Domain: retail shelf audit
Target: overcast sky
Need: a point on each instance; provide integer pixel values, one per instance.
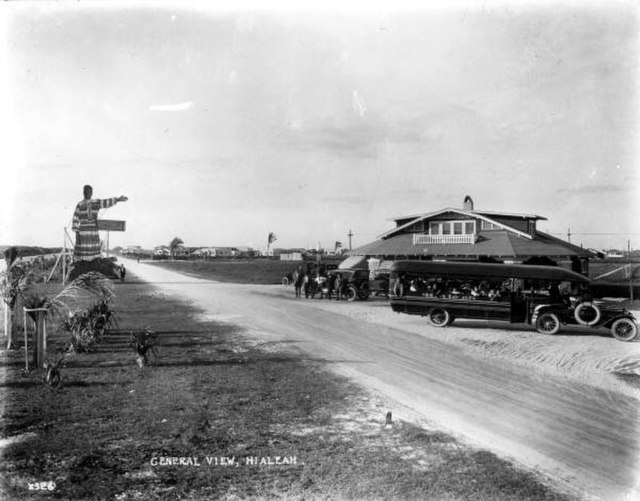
(223, 125)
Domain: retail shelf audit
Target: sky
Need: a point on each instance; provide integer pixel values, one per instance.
(224, 124)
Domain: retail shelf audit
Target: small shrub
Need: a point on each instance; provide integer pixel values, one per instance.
(88, 327)
(102, 318)
(144, 343)
(83, 339)
(53, 375)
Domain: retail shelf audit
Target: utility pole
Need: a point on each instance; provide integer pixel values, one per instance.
(569, 235)
(350, 234)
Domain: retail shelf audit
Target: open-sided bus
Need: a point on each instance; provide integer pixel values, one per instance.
(543, 296)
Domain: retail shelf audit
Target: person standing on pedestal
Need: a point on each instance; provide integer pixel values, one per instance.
(85, 224)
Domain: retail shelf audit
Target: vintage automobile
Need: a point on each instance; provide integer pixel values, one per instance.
(357, 284)
(312, 269)
(444, 291)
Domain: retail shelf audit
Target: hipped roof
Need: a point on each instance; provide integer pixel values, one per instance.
(496, 243)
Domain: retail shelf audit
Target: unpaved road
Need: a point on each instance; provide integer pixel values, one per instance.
(583, 436)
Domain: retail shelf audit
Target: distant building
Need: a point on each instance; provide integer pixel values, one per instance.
(162, 251)
(132, 249)
(614, 253)
(290, 256)
(277, 252)
(468, 234)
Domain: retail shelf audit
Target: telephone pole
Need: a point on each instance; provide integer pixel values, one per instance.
(350, 234)
(569, 235)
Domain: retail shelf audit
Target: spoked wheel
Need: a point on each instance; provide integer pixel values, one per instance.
(624, 329)
(548, 323)
(440, 317)
(352, 293)
(285, 281)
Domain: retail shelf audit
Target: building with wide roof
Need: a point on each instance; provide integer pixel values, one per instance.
(467, 234)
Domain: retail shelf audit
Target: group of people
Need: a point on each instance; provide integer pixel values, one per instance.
(451, 289)
(312, 284)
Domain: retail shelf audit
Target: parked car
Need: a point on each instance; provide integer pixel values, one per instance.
(356, 283)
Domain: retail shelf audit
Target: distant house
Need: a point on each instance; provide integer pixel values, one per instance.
(245, 252)
(466, 234)
(277, 252)
(290, 256)
(614, 253)
(161, 252)
(132, 249)
(218, 252)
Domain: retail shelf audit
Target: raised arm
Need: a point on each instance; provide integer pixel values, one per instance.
(105, 203)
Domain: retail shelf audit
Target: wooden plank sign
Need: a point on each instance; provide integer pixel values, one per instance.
(111, 225)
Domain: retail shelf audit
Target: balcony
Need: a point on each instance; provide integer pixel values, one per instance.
(444, 239)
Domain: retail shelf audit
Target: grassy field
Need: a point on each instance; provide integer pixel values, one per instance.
(258, 271)
(213, 395)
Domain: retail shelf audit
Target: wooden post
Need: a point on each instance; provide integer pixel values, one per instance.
(39, 337)
(630, 269)
(26, 342)
(8, 325)
(5, 306)
(64, 257)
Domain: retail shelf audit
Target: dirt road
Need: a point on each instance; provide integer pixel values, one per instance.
(581, 435)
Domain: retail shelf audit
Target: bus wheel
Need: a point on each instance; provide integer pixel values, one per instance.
(352, 293)
(624, 329)
(548, 323)
(439, 317)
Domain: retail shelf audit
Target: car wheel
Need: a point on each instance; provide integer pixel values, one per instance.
(352, 293)
(440, 317)
(624, 329)
(548, 323)
(365, 293)
(285, 281)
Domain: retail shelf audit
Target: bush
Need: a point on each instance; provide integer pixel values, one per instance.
(144, 344)
(88, 327)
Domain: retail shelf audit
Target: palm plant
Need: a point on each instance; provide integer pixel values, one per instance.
(14, 281)
(173, 245)
(144, 344)
(89, 325)
(92, 283)
(270, 239)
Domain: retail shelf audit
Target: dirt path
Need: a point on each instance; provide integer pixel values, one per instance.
(581, 434)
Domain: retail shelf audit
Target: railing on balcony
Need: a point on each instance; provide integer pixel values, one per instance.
(444, 239)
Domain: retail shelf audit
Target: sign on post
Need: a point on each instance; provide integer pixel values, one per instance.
(111, 225)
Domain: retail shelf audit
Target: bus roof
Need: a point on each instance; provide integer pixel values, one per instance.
(488, 270)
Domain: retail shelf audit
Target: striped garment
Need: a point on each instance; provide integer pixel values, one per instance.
(85, 224)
